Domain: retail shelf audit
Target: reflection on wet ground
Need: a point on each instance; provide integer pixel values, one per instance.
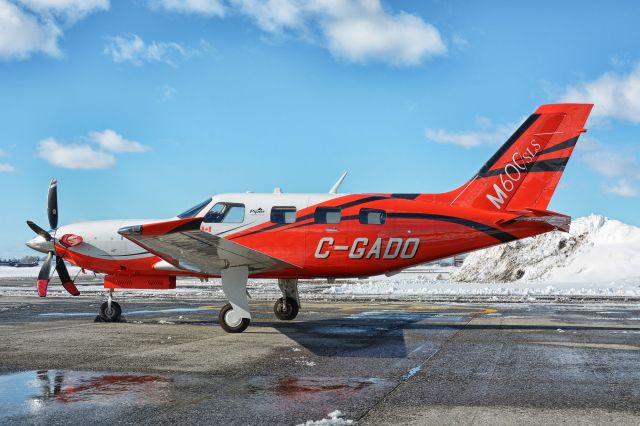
(47, 394)
(30, 392)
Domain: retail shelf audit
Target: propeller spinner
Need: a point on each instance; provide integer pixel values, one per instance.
(44, 242)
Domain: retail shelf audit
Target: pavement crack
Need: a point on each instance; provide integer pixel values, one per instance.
(420, 366)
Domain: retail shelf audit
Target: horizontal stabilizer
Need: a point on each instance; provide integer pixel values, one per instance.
(558, 221)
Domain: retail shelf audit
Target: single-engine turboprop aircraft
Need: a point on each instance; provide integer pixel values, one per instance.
(296, 236)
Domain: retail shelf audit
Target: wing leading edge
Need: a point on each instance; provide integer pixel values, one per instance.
(185, 246)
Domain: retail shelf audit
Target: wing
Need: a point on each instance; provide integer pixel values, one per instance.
(185, 246)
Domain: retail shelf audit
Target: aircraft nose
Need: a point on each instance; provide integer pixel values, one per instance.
(40, 244)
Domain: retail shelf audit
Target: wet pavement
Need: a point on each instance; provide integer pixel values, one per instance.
(378, 363)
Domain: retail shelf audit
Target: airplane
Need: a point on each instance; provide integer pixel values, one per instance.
(289, 237)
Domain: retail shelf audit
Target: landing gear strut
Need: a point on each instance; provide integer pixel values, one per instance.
(286, 308)
(234, 317)
(110, 310)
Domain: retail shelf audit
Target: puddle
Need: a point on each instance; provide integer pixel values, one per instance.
(87, 397)
(317, 389)
(30, 392)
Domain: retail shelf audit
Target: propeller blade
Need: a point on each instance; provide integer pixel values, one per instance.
(43, 276)
(52, 204)
(35, 228)
(63, 273)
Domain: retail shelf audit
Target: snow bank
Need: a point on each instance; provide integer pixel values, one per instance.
(30, 271)
(597, 250)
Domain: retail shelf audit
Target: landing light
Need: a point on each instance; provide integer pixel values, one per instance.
(71, 240)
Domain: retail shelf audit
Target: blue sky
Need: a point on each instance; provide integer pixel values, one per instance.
(143, 108)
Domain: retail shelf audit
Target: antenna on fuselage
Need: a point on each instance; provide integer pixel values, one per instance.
(336, 186)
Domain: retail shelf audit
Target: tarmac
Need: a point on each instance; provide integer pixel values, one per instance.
(377, 363)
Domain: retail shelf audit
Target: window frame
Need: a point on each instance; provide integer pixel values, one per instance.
(285, 210)
(365, 211)
(325, 210)
(225, 212)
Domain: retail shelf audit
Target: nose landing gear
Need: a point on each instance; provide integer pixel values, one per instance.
(110, 311)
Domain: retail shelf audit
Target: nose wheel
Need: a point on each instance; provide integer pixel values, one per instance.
(286, 308)
(110, 311)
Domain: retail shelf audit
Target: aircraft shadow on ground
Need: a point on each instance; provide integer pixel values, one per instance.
(385, 338)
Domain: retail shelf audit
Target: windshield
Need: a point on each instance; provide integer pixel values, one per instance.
(193, 211)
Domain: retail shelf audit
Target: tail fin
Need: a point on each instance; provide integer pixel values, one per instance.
(524, 172)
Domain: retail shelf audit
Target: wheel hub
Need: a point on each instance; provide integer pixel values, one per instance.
(232, 319)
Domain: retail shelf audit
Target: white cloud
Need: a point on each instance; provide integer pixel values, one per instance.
(623, 167)
(623, 188)
(6, 168)
(168, 92)
(32, 26)
(85, 156)
(487, 135)
(82, 156)
(113, 142)
(23, 33)
(609, 163)
(273, 15)
(401, 39)
(202, 7)
(71, 10)
(134, 50)
(357, 31)
(616, 96)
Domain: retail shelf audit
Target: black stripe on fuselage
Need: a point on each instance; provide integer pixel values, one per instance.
(405, 196)
(509, 143)
(550, 165)
(489, 230)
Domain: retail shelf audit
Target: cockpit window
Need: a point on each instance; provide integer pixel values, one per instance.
(193, 211)
(225, 213)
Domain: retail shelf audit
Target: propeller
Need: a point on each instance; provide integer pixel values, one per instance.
(48, 245)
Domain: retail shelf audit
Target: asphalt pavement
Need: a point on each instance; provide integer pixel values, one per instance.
(377, 363)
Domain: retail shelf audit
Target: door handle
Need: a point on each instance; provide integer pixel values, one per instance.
(331, 229)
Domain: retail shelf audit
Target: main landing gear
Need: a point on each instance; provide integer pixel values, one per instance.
(286, 308)
(235, 317)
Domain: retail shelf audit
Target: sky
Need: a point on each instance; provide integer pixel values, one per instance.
(143, 108)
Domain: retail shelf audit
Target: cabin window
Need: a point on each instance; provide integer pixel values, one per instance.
(225, 213)
(372, 216)
(283, 214)
(327, 215)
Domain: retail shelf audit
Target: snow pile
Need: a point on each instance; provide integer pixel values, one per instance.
(597, 250)
(30, 271)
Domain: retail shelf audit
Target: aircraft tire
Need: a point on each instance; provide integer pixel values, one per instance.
(286, 312)
(112, 315)
(223, 319)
